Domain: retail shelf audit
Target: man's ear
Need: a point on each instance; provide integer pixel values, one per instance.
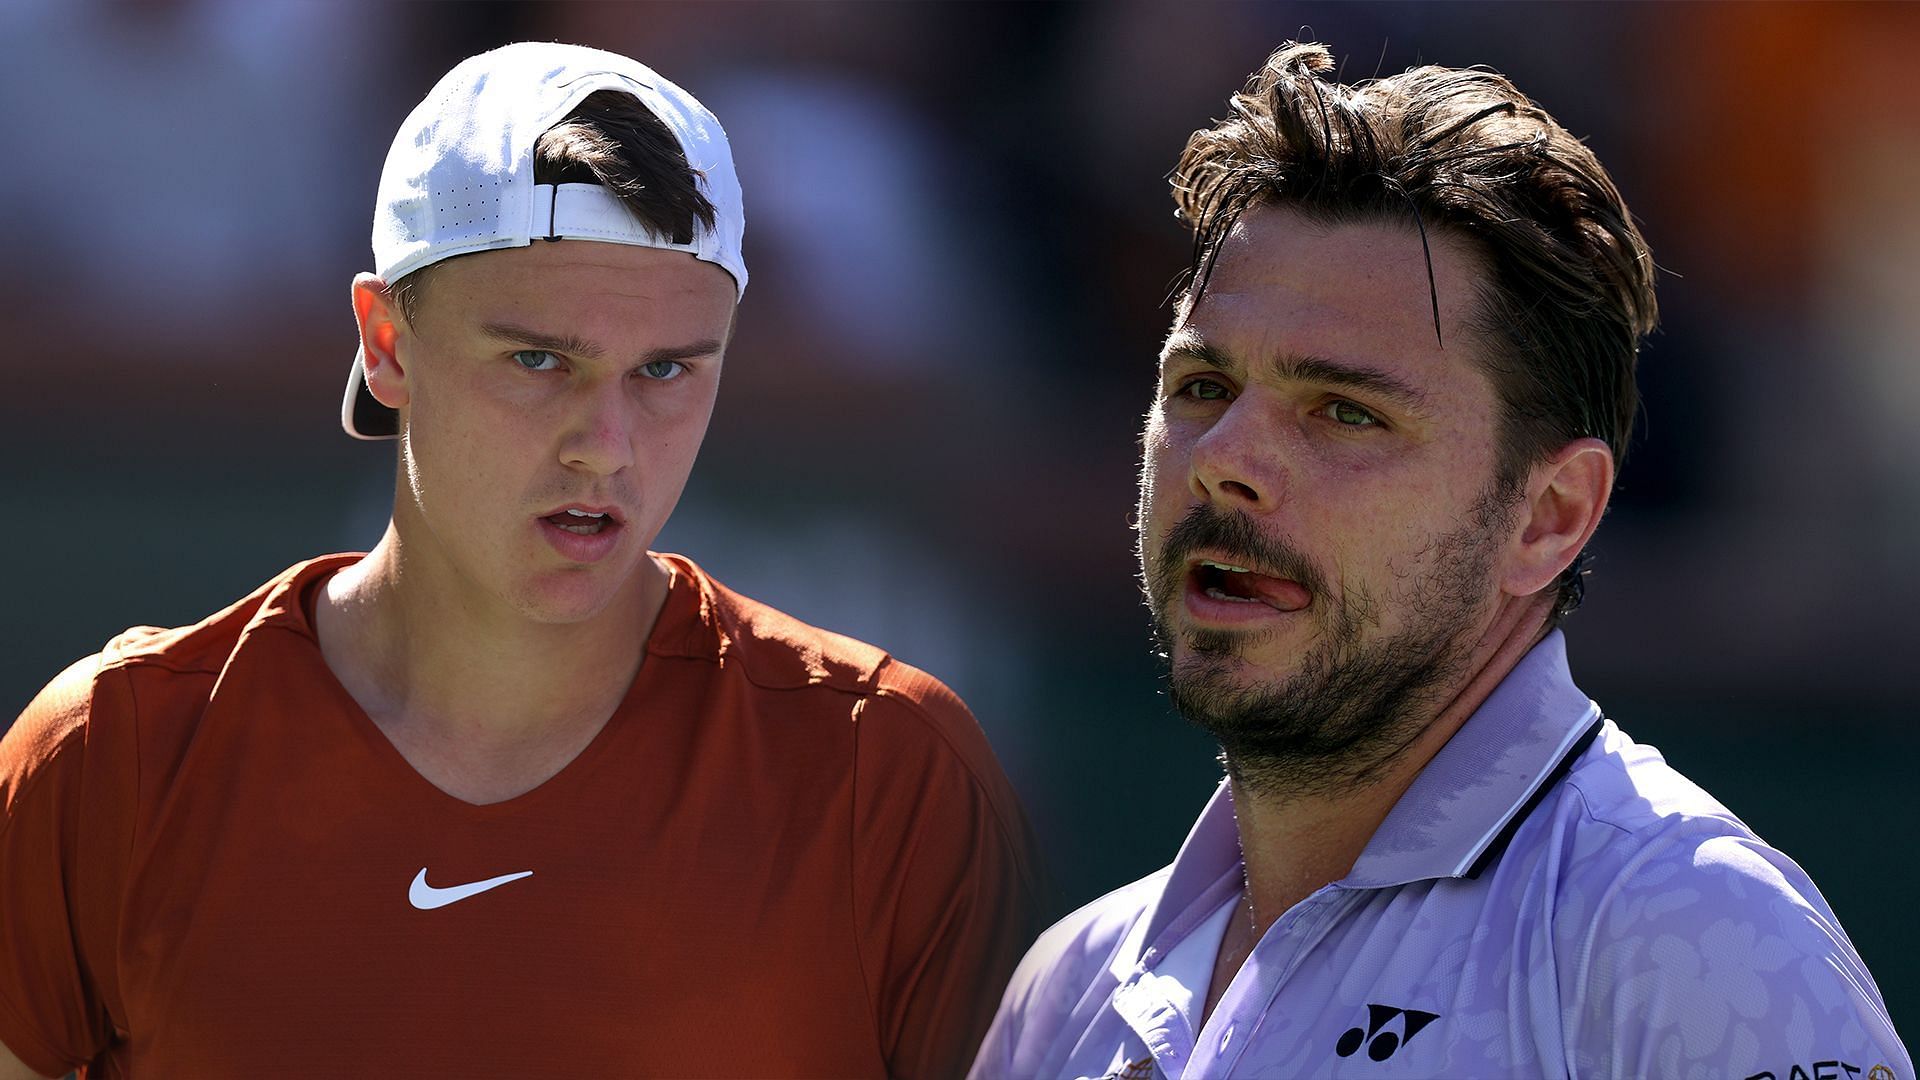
(379, 316)
(1565, 497)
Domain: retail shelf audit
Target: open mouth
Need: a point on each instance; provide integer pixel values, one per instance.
(582, 522)
(1235, 584)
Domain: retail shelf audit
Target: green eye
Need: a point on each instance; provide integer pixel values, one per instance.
(536, 360)
(662, 369)
(1205, 390)
(1351, 415)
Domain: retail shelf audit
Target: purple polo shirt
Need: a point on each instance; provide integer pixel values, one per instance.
(1549, 898)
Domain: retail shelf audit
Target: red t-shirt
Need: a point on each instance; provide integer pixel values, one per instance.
(786, 854)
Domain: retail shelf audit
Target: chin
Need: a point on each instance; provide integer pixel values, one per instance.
(1264, 647)
(569, 597)
(553, 613)
(1244, 666)
(1266, 656)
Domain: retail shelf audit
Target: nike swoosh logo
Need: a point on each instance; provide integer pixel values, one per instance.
(426, 897)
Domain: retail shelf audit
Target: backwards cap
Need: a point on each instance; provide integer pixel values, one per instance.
(459, 176)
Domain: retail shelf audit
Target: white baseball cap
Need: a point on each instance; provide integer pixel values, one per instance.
(459, 177)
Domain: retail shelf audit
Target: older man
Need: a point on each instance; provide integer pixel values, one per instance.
(1390, 411)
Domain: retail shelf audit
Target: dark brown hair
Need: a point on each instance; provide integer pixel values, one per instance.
(610, 139)
(1569, 293)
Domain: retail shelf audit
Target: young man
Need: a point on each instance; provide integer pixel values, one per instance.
(512, 795)
(1389, 417)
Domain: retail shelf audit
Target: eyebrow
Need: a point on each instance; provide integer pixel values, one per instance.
(1184, 344)
(573, 345)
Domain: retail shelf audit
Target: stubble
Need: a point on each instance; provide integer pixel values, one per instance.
(1356, 699)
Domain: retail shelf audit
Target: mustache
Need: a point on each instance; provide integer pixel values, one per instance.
(1234, 536)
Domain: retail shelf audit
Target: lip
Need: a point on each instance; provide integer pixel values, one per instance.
(612, 512)
(1214, 611)
(1194, 560)
(575, 547)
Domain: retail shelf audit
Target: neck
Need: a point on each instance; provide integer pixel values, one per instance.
(1294, 843)
(421, 651)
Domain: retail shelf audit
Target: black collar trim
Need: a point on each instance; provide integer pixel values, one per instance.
(1519, 818)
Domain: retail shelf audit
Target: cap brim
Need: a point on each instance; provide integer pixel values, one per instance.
(361, 414)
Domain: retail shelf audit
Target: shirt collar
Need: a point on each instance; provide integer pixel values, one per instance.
(1463, 805)
(1486, 777)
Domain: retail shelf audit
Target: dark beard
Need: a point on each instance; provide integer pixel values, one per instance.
(1354, 703)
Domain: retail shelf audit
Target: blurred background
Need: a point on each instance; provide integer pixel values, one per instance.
(961, 239)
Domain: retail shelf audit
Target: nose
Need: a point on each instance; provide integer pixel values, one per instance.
(600, 431)
(1237, 462)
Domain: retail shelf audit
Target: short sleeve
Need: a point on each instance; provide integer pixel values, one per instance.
(947, 895)
(54, 919)
(1715, 956)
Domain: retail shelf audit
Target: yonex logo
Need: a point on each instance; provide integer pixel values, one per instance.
(1382, 1044)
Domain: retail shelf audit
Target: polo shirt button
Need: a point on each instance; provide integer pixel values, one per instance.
(1225, 1038)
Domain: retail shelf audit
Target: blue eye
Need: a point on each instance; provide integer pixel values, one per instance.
(662, 369)
(536, 360)
(1347, 414)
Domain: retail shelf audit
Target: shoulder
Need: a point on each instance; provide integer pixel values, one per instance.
(772, 649)
(1087, 939)
(915, 731)
(1635, 829)
(76, 775)
(1074, 955)
(1630, 787)
(1686, 942)
(160, 671)
(150, 653)
(95, 690)
(1066, 971)
(777, 652)
(54, 724)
